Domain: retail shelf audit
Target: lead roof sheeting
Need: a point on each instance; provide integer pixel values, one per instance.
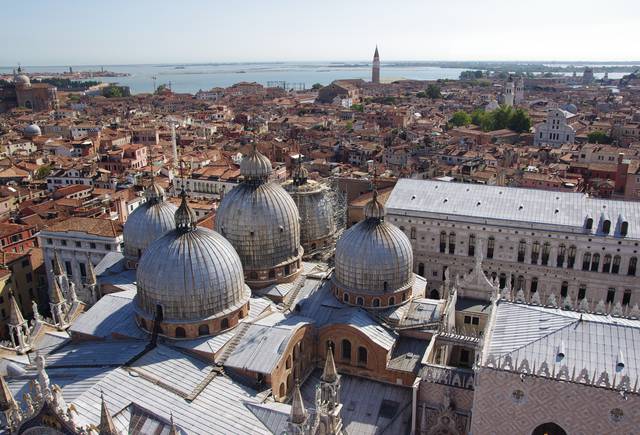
(219, 409)
(173, 368)
(535, 333)
(95, 353)
(503, 203)
(113, 313)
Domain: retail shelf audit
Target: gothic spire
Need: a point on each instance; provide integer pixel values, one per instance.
(57, 264)
(7, 401)
(174, 429)
(15, 315)
(56, 293)
(91, 275)
(107, 427)
(298, 411)
(329, 374)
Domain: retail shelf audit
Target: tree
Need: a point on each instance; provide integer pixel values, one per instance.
(460, 118)
(42, 172)
(598, 137)
(113, 92)
(433, 92)
(316, 86)
(357, 107)
(520, 121)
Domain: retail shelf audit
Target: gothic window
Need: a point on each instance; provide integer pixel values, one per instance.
(586, 261)
(571, 260)
(582, 292)
(359, 301)
(520, 283)
(535, 252)
(606, 264)
(611, 295)
(346, 349)
(522, 248)
(472, 245)
(534, 285)
(606, 226)
(452, 243)
(491, 243)
(564, 289)
(615, 268)
(595, 262)
(443, 242)
(633, 264)
(562, 251)
(545, 253)
(345, 297)
(589, 224)
(624, 228)
(626, 297)
(362, 356)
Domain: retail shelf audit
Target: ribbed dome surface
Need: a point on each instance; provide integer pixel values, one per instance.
(315, 209)
(371, 253)
(193, 274)
(148, 222)
(255, 165)
(262, 223)
(32, 130)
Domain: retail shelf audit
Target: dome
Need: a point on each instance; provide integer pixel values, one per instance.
(571, 108)
(255, 165)
(147, 223)
(32, 131)
(317, 223)
(22, 80)
(192, 272)
(373, 256)
(262, 223)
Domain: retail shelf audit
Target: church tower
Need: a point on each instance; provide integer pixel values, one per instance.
(375, 71)
(509, 90)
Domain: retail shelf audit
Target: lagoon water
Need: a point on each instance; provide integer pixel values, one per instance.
(193, 77)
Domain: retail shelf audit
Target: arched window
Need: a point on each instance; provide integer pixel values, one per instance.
(564, 289)
(359, 301)
(421, 269)
(615, 268)
(287, 270)
(435, 294)
(582, 292)
(534, 285)
(586, 261)
(606, 226)
(345, 297)
(571, 260)
(376, 302)
(272, 274)
(522, 249)
(491, 244)
(503, 280)
(562, 251)
(413, 232)
(589, 223)
(624, 228)
(633, 264)
(606, 264)
(392, 300)
(443, 242)
(346, 349)
(203, 330)
(520, 283)
(224, 324)
(472, 245)
(535, 252)
(180, 332)
(362, 356)
(546, 248)
(452, 243)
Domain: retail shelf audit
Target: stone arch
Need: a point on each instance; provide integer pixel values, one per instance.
(435, 294)
(549, 428)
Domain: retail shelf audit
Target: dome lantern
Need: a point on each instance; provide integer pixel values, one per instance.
(255, 166)
(186, 219)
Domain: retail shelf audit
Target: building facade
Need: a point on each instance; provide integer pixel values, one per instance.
(555, 130)
(534, 240)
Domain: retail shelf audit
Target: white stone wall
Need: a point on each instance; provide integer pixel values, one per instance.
(555, 131)
(425, 240)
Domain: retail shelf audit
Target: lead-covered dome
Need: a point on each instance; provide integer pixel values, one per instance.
(147, 223)
(22, 80)
(32, 131)
(261, 221)
(195, 276)
(373, 261)
(315, 207)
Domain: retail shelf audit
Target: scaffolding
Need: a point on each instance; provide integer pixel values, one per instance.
(287, 86)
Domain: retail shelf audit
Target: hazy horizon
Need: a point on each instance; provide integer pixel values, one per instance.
(41, 33)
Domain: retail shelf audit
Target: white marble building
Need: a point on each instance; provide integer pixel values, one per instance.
(540, 241)
(556, 130)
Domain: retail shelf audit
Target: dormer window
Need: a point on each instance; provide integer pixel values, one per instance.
(606, 226)
(624, 228)
(589, 223)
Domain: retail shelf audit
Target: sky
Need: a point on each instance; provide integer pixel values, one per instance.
(86, 32)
